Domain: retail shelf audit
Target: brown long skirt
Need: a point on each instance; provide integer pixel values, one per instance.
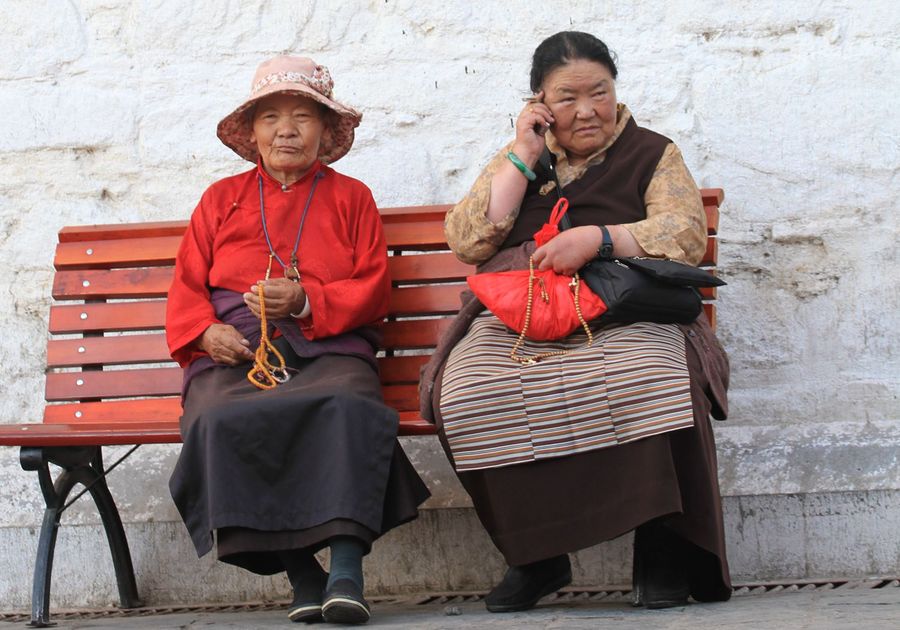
(546, 508)
(290, 468)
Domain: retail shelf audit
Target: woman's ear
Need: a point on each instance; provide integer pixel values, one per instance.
(251, 115)
(327, 136)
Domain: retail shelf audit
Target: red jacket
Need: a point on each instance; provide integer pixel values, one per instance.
(342, 253)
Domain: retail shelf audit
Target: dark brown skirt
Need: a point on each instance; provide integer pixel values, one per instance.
(546, 508)
(289, 468)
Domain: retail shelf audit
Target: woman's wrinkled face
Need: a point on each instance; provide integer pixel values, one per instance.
(287, 130)
(582, 97)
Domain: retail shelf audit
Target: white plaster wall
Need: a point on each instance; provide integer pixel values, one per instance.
(108, 111)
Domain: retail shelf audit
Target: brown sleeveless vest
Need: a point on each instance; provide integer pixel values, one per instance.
(609, 193)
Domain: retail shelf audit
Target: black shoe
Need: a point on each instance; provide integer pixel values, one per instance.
(307, 604)
(523, 586)
(660, 578)
(344, 603)
(305, 611)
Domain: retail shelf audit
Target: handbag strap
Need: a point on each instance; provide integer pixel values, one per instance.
(547, 160)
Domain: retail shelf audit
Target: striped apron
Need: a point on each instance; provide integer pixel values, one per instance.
(632, 383)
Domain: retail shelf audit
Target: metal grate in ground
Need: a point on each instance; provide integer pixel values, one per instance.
(607, 594)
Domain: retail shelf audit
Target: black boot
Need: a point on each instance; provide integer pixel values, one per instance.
(524, 585)
(660, 578)
(308, 581)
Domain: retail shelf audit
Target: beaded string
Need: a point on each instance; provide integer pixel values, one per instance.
(535, 358)
(263, 374)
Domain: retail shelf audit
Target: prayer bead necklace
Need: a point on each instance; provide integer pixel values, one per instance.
(264, 374)
(575, 284)
(290, 272)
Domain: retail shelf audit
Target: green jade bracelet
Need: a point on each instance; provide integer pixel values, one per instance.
(519, 164)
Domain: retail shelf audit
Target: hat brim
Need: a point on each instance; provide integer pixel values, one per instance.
(235, 129)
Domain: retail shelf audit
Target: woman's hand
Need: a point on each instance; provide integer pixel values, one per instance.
(282, 296)
(508, 184)
(224, 344)
(573, 248)
(531, 126)
(570, 250)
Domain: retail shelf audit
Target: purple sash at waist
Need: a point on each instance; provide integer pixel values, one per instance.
(230, 309)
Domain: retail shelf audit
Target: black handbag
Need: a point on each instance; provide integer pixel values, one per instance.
(639, 289)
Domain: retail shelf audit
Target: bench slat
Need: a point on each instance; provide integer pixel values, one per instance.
(712, 197)
(401, 231)
(116, 317)
(411, 423)
(107, 434)
(137, 252)
(138, 349)
(64, 386)
(426, 300)
(92, 284)
(413, 333)
(152, 348)
(428, 267)
(118, 350)
(137, 412)
(712, 220)
(106, 231)
(402, 397)
(154, 282)
(397, 370)
(151, 315)
(113, 384)
(157, 252)
(414, 213)
(127, 433)
(427, 235)
(121, 411)
(711, 255)
(79, 283)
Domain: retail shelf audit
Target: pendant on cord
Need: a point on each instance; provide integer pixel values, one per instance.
(292, 273)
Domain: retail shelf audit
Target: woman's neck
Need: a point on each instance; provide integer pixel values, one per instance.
(286, 178)
(575, 160)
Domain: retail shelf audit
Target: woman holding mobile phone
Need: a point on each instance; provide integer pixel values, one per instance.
(614, 437)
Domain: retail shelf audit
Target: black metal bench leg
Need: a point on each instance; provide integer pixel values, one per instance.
(43, 569)
(55, 497)
(118, 543)
(81, 466)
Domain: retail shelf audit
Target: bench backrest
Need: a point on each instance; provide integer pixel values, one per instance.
(107, 359)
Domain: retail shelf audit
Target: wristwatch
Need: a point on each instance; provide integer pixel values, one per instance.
(605, 251)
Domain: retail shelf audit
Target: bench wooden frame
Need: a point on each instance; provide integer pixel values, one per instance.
(110, 380)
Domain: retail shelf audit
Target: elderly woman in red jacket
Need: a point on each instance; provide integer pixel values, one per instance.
(288, 446)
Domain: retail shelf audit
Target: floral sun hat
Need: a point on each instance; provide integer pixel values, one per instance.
(286, 74)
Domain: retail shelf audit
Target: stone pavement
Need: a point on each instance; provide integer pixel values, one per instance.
(868, 605)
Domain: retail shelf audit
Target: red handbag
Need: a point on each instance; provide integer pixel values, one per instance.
(540, 305)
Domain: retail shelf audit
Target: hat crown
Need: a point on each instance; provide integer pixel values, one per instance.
(287, 69)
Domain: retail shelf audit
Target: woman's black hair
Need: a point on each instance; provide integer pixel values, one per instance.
(558, 50)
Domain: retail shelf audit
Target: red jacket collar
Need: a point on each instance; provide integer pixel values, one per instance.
(271, 181)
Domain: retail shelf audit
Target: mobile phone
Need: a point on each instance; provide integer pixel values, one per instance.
(538, 128)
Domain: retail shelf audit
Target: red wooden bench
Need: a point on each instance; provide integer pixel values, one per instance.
(110, 380)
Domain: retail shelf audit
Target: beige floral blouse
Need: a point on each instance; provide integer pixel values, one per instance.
(675, 226)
